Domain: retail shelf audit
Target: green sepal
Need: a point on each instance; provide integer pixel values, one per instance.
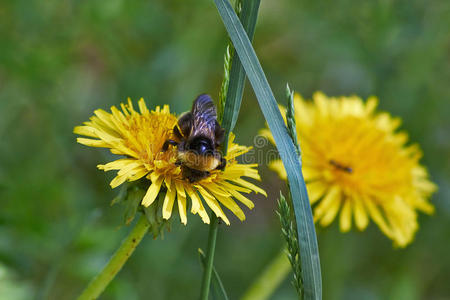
(131, 195)
(121, 196)
(153, 213)
(134, 198)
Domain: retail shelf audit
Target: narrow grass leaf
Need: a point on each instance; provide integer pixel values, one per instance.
(248, 17)
(306, 232)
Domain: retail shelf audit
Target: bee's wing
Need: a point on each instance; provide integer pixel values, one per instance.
(205, 117)
(204, 106)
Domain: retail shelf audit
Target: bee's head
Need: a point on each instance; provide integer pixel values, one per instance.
(201, 145)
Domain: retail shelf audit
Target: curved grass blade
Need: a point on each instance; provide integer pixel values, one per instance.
(230, 113)
(306, 232)
(218, 287)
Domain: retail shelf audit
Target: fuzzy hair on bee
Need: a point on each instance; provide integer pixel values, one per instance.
(198, 137)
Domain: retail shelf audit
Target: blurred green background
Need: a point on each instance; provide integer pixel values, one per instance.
(60, 60)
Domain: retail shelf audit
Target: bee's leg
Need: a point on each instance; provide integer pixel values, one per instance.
(223, 163)
(167, 143)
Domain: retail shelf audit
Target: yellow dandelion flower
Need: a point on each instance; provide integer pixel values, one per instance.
(139, 137)
(355, 162)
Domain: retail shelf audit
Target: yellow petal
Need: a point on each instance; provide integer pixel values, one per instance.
(213, 204)
(138, 173)
(169, 199)
(152, 191)
(118, 180)
(86, 131)
(321, 102)
(316, 189)
(117, 164)
(105, 118)
(92, 143)
(242, 199)
(311, 173)
(377, 217)
(180, 188)
(110, 139)
(333, 196)
(216, 190)
(125, 110)
(371, 104)
(118, 115)
(124, 150)
(277, 166)
(228, 186)
(142, 107)
(345, 220)
(231, 205)
(181, 200)
(426, 186)
(303, 113)
(331, 212)
(249, 185)
(130, 106)
(361, 219)
(197, 206)
(129, 169)
(266, 133)
(424, 205)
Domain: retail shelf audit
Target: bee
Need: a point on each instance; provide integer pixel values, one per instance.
(198, 137)
(341, 167)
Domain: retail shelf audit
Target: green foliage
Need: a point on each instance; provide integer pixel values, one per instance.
(312, 280)
(289, 231)
(225, 83)
(248, 14)
(230, 99)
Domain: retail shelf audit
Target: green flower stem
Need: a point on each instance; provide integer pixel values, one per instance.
(209, 257)
(101, 281)
(270, 279)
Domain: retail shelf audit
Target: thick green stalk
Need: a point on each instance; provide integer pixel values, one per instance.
(270, 279)
(206, 282)
(101, 281)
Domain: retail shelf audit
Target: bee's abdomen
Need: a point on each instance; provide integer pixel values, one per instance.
(199, 162)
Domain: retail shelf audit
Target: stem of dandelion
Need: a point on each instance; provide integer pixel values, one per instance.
(206, 281)
(101, 281)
